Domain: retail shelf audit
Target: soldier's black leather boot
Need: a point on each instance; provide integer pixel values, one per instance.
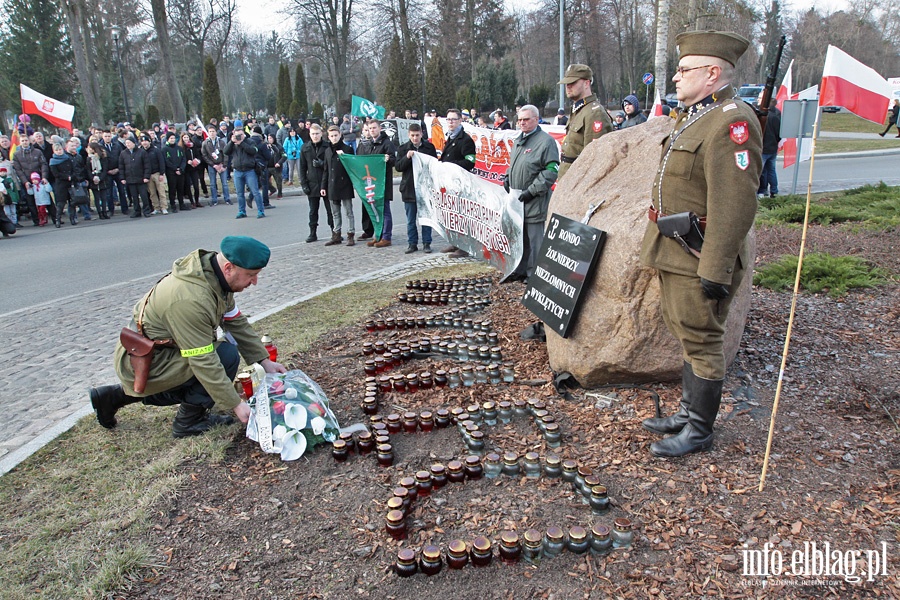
(675, 423)
(106, 400)
(194, 420)
(697, 434)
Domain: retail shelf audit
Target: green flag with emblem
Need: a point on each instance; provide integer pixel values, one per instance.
(366, 108)
(368, 174)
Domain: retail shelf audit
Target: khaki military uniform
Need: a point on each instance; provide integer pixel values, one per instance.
(710, 166)
(589, 120)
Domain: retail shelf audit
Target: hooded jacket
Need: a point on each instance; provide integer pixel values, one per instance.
(187, 306)
(638, 117)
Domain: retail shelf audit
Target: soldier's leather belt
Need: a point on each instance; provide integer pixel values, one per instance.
(654, 214)
(567, 159)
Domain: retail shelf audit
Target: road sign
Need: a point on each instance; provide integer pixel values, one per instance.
(647, 78)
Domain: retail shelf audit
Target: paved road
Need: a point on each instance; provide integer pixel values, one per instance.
(67, 292)
(843, 171)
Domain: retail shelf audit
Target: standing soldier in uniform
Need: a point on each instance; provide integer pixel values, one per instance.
(589, 120)
(708, 174)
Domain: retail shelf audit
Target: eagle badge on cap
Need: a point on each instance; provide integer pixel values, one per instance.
(598, 125)
(742, 159)
(740, 132)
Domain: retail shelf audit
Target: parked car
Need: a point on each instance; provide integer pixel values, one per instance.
(831, 109)
(750, 93)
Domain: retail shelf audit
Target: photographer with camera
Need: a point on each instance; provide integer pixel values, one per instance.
(243, 164)
(312, 166)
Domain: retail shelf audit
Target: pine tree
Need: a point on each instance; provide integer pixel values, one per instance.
(153, 114)
(283, 103)
(318, 111)
(440, 92)
(212, 97)
(300, 91)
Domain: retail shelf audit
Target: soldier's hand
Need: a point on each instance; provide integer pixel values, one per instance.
(270, 366)
(242, 412)
(713, 290)
(525, 197)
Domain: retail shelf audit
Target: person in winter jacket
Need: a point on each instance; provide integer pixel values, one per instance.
(28, 159)
(213, 151)
(311, 170)
(459, 149)
(194, 369)
(337, 188)
(276, 163)
(292, 146)
(134, 172)
(68, 171)
(633, 115)
(533, 168)
(380, 143)
(192, 170)
(176, 163)
(242, 152)
(408, 187)
(156, 186)
(98, 165)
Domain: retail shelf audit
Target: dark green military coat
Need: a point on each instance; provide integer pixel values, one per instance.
(586, 123)
(712, 169)
(187, 306)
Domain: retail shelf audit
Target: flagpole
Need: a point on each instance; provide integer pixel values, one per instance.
(790, 326)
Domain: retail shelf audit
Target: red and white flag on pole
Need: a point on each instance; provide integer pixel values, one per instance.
(35, 103)
(849, 83)
(788, 145)
(656, 109)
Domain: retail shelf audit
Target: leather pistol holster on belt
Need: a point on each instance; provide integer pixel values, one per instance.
(685, 229)
(140, 353)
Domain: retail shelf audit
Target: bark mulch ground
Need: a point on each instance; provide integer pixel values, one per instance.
(255, 527)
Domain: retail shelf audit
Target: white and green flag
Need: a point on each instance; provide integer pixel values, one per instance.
(366, 108)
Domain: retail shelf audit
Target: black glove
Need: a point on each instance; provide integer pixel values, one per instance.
(713, 290)
(306, 191)
(318, 163)
(525, 197)
(506, 183)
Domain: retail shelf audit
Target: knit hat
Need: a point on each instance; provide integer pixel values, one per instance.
(245, 252)
(632, 100)
(35, 177)
(257, 129)
(621, 114)
(238, 123)
(145, 137)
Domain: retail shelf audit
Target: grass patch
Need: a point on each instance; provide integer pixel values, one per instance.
(831, 146)
(872, 205)
(76, 511)
(850, 123)
(821, 273)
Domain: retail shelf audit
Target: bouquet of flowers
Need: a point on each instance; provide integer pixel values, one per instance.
(289, 413)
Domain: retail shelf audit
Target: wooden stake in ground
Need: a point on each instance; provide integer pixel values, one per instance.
(790, 326)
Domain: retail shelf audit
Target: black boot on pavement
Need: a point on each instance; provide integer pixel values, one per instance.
(106, 400)
(675, 423)
(697, 434)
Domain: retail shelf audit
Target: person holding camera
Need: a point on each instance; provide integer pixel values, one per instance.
(312, 168)
(243, 165)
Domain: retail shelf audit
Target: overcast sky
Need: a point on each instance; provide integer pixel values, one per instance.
(262, 16)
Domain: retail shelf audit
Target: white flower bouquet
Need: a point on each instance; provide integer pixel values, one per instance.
(289, 413)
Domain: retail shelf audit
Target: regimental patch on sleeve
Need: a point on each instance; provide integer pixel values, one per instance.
(598, 125)
(742, 159)
(739, 132)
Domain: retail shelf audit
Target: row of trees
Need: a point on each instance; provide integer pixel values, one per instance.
(402, 53)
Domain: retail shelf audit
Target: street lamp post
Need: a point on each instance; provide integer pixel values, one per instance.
(424, 41)
(115, 37)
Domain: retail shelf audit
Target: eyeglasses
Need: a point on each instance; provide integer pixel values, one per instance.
(683, 70)
(453, 118)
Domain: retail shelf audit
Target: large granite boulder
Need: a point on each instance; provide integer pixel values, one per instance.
(619, 335)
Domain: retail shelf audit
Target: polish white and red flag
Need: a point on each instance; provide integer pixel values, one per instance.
(849, 83)
(656, 109)
(787, 145)
(56, 112)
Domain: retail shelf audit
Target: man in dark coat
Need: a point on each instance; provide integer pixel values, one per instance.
(134, 172)
(337, 187)
(380, 143)
(312, 168)
(408, 186)
(459, 149)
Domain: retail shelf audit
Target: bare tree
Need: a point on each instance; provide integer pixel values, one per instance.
(662, 46)
(160, 24)
(74, 11)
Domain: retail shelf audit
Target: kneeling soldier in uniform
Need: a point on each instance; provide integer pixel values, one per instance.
(189, 367)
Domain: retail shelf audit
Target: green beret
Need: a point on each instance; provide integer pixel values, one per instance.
(721, 44)
(576, 72)
(245, 252)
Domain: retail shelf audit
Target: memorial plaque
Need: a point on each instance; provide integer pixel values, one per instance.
(569, 252)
